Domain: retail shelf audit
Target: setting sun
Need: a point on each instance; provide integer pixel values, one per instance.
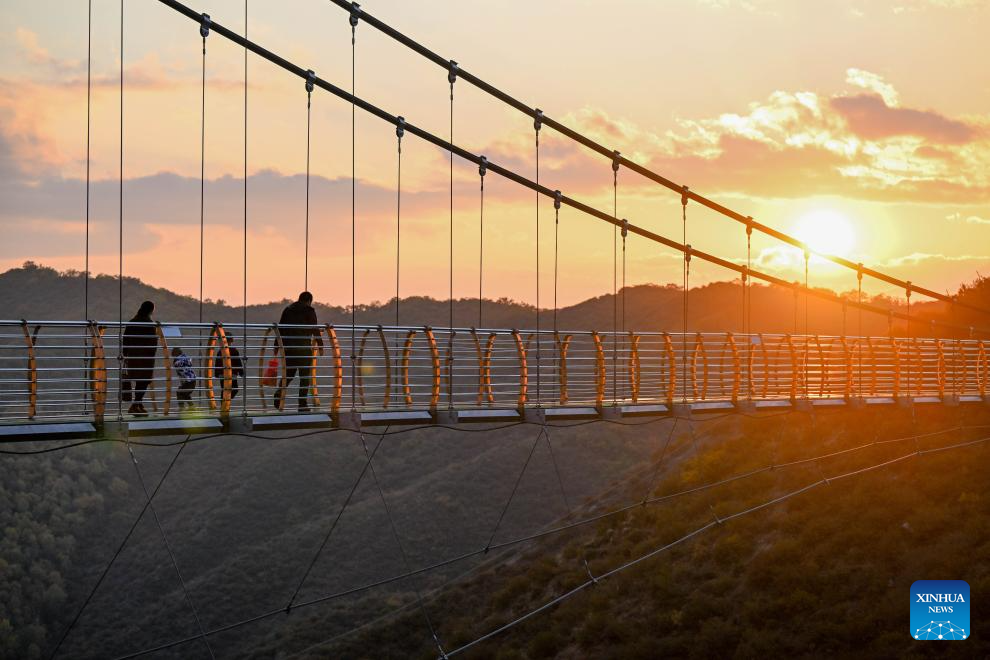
(826, 231)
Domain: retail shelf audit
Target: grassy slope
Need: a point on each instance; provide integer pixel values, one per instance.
(823, 574)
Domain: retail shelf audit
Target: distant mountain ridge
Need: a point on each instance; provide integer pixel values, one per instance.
(41, 293)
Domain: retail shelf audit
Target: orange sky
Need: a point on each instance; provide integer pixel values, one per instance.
(877, 112)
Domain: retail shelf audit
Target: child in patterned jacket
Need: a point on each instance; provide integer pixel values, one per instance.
(187, 378)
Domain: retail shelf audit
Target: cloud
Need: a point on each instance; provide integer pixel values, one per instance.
(870, 117)
(34, 53)
(793, 144)
(916, 258)
(970, 219)
(874, 83)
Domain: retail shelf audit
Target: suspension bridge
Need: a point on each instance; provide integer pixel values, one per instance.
(65, 380)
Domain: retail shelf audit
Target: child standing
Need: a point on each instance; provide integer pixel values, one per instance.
(187, 378)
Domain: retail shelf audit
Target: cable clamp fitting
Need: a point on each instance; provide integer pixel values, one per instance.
(355, 14)
(615, 160)
(718, 521)
(625, 228)
(908, 289)
(684, 195)
(400, 126)
(204, 25)
(483, 166)
(556, 199)
(749, 225)
(859, 271)
(587, 568)
(310, 80)
(452, 72)
(538, 120)
(687, 253)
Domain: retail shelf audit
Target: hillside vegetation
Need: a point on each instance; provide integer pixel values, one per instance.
(39, 293)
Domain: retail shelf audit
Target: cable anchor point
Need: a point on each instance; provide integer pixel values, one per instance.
(204, 25)
(482, 166)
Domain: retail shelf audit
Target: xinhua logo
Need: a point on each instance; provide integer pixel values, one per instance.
(940, 610)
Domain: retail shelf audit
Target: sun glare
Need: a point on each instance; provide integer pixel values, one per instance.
(827, 232)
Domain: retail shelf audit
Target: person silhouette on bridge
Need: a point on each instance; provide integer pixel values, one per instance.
(236, 366)
(298, 345)
(138, 348)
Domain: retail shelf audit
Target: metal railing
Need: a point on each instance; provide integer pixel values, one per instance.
(72, 370)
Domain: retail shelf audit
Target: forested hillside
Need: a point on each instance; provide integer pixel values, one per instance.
(825, 573)
(40, 293)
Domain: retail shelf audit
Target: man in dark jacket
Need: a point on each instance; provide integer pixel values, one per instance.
(298, 344)
(138, 348)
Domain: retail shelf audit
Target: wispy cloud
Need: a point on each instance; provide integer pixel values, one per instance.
(968, 219)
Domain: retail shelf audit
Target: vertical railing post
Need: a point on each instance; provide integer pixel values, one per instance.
(406, 353)
(523, 370)
(668, 346)
(97, 376)
(736, 366)
(387, 393)
(794, 367)
(32, 371)
(562, 345)
(599, 369)
(167, 359)
(359, 370)
(848, 362)
(940, 368)
(227, 385)
(435, 360)
(634, 367)
(283, 381)
(338, 372)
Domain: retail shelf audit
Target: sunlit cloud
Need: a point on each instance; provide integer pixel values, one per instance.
(874, 83)
(968, 219)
